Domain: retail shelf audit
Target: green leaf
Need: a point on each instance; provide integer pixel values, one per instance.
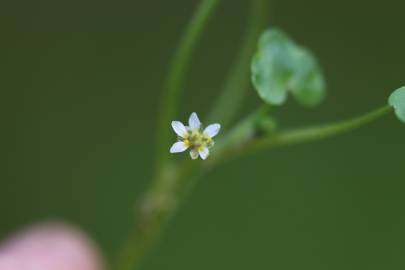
(279, 67)
(397, 101)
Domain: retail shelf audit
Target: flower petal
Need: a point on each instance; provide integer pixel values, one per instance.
(178, 147)
(193, 153)
(204, 152)
(194, 122)
(212, 130)
(179, 128)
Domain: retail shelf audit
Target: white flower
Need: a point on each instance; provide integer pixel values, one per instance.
(194, 137)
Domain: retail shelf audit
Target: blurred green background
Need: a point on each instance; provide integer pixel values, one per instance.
(80, 91)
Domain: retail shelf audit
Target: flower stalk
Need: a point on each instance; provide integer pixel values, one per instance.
(295, 136)
(173, 84)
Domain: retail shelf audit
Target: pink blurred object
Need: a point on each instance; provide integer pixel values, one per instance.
(50, 247)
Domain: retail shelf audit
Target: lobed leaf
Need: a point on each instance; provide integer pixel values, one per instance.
(279, 67)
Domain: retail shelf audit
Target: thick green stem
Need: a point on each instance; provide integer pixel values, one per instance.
(156, 207)
(154, 210)
(238, 79)
(177, 72)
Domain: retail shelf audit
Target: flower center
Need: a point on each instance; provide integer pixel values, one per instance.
(197, 139)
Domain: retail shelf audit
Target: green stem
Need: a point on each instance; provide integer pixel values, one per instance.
(242, 132)
(300, 135)
(177, 71)
(238, 79)
(153, 213)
